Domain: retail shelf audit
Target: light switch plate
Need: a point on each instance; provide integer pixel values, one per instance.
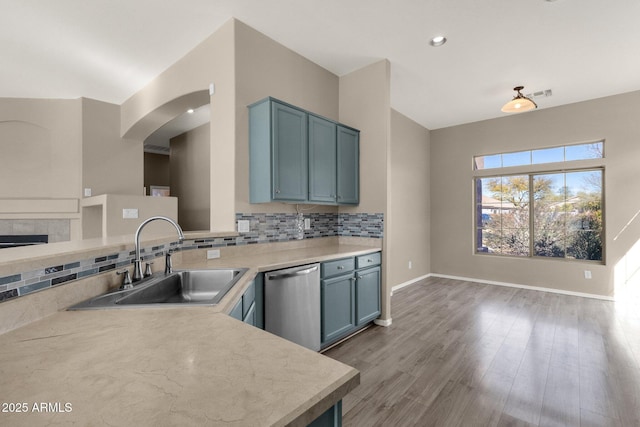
(129, 213)
(87, 192)
(307, 223)
(243, 226)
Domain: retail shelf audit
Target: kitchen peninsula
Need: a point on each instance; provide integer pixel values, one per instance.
(177, 366)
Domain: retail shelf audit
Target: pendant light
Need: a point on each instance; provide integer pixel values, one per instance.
(519, 103)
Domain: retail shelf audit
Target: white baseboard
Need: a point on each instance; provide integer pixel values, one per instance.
(381, 322)
(408, 283)
(533, 288)
(510, 285)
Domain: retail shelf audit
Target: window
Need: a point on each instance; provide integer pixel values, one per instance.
(554, 214)
(565, 153)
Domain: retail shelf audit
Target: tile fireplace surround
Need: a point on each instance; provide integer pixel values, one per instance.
(58, 230)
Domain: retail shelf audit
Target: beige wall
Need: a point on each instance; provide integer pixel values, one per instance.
(156, 170)
(365, 105)
(52, 149)
(110, 164)
(212, 61)
(104, 215)
(41, 146)
(408, 230)
(266, 68)
(613, 119)
(190, 181)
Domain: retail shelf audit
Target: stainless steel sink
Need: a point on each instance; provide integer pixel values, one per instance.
(180, 288)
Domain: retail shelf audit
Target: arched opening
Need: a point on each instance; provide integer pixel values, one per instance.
(176, 144)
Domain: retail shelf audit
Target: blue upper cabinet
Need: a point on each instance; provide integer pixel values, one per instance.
(322, 160)
(348, 167)
(289, 155)
(298, 157)
(278, 164)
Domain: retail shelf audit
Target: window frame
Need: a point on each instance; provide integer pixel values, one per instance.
(531, 171)
(531, 151)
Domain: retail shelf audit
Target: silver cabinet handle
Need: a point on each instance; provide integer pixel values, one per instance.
(340, 267)
(274, 276)
(277, 191)
(360, 277)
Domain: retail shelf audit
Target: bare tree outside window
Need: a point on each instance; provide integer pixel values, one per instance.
(555, 215)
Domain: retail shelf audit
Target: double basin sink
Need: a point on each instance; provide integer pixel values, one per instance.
(180, 288)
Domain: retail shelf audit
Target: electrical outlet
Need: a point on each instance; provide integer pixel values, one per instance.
(243, 226)
(129, 213)
(213, 254)
(410, 265)
(87, 192)
(587, 274)
(307, 223)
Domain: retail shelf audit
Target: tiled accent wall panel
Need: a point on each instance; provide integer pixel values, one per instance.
(265, 228)
(361, 225)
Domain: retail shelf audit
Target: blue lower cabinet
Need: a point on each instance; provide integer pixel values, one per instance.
(331, 418)
(350, 295)
(367, 295)
(338, 304)
(250, 308)
(236, 312)
(250, 317)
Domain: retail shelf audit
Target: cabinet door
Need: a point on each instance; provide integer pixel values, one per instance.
(250, 317)
(348, 166)
(322, 160)
(367, 294)
(338, 303)
(289, 162)
(236, 312)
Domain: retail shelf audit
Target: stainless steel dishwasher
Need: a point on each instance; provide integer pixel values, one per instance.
(292, 304)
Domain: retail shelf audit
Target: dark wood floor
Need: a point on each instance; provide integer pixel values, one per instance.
(467, 354)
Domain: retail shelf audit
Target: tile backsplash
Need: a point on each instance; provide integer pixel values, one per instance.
(280, 227)
(264, 228)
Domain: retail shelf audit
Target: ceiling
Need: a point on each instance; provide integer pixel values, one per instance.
(109, 49)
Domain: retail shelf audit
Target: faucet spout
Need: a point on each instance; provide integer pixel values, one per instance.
(137, 267)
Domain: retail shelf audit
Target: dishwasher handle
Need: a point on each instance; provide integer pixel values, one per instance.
(277, 276)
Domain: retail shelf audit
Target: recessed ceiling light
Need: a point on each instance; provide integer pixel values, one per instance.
(438, 41)
(190, 110)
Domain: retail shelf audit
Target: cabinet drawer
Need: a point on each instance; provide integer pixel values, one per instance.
(340, 266)
(368, 260)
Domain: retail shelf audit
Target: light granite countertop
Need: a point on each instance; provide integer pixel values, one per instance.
(171, 366)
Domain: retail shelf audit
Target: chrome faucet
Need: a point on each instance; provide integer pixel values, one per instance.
(168, 265)
(137, 267)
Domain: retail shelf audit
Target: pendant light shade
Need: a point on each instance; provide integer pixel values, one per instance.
(519, 103)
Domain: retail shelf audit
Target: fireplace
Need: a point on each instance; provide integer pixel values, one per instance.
(13, 241)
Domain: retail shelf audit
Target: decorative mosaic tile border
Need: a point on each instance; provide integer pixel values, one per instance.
(265, 228)
(30, 281)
